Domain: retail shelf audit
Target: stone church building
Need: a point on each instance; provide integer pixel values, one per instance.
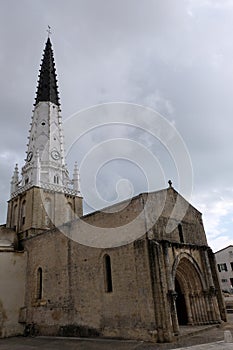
(146, 286)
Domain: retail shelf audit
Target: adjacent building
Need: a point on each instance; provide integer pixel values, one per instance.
(224, 259)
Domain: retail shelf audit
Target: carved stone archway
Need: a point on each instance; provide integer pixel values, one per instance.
(191, 306)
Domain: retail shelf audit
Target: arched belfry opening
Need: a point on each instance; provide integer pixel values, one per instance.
(23, 214)
(191, 305)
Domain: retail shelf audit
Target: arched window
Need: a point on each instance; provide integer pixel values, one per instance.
(23, 213)
(14, 216)
(56, 179)
(108, 274)
(181, 233)
(39, 284)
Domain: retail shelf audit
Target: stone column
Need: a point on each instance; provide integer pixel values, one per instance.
(192, 305)
(172, 295)
(159, 289)
(210, 297)
(218, 294)
(210, 278)
(215, 315)
(196, 308)
(188, 308)
(200, 308)
(208, 311)
(175, 324)
(203, 306)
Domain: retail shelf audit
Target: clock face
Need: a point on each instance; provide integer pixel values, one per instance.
(55, 155)
(29, 156)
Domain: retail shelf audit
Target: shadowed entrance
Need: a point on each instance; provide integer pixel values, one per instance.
(180, 305)
(190, 300)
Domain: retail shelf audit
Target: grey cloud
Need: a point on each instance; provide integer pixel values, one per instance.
(176, 57)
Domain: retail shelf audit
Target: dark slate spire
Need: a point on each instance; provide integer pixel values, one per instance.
(47, 89)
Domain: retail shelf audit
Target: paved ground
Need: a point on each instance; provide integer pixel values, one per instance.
(213, 346)
(211, 339)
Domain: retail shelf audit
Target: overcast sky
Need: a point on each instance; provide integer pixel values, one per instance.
(175, 57)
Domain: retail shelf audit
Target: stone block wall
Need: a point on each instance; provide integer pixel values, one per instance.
(74, 297)
(12, 292)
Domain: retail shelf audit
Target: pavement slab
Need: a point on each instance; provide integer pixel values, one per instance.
(49, 343)
(210, 346)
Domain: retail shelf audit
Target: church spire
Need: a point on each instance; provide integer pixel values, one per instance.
(41, 195)
(47, 89)
(45, 161)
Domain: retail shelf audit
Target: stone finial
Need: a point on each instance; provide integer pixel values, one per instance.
(170, 183)
(15, 179)
(49, 31)
(76, 186)
(16, 172)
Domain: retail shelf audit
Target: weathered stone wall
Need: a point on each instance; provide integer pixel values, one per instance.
(74, 300)
(49, 252)
(37, 216)
(12, 292)
(165, 210)
(141, 305)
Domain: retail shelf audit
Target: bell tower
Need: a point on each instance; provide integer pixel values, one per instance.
(44, 196)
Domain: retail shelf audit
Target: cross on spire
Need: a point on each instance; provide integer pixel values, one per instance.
(170, 183)
(49, 31)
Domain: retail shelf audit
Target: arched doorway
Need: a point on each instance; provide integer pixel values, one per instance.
(189, 288)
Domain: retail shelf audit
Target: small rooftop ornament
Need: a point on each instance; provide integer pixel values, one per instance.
(170, 183)
(49, 31)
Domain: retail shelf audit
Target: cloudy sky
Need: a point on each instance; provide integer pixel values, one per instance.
(175, 57)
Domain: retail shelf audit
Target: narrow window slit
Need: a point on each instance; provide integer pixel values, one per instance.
(108, 274)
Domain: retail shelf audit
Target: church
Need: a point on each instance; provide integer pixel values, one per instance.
(119, 273)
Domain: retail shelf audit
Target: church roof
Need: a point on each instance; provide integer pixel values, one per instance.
(47, 90)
